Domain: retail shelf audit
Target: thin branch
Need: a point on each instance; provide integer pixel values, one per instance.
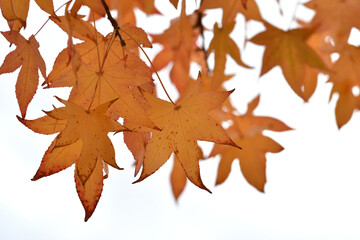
(51, 17)
(113, 23)
(201, 26)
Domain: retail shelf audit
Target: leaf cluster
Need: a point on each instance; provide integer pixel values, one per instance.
(109, 82)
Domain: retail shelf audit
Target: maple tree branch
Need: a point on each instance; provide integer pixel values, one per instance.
(201, 26)
(152, 65)
(113, 23)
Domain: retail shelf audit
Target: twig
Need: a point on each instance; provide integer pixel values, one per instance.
(201, 26)
(51, 17)
(113, 23)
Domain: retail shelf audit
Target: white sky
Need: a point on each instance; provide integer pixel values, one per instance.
(312, 190)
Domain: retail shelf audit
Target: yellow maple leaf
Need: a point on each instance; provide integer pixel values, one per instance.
(181, 126)
(297, 59)
(27, 56)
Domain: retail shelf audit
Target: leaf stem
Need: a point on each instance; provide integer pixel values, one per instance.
(152, 65)
(294, 14)
(50, 17)
(97, 44)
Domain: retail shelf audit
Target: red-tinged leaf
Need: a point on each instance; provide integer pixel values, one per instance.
(44, 125)
(91, 128)
(28, 57)
(136, 142)
(84, 141)
(58, 159)
(90, 193)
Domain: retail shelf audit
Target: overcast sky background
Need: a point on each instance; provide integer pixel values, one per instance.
(313, 185)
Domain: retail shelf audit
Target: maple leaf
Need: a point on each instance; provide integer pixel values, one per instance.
(289, 50)
(246, 131)
(94, 87)
(16, 11)
(82, 140)
(232, 7)
(179, 47)
(178, 177)
(94, 5)
(222, 45)
(174, 3)
(90, 193)
(77, 27)
(181, 126)
(94, 52)
(346, 14)
(106, 73)
(27, 56)
(126, 9)
(136, 142)
(91, 127)
(345, 75)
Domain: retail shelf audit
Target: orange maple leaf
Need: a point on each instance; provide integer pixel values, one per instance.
(27, 56)
(126, 9)
(92, 87)
(336, 18)
(105, 72)
(174, 3)
(297, 59)
(246, 131)
(181, 126)
(345, 75)
(178, 177)
(179, 47)
(232, 7)
(82, 140)
(91, 128)
(221, 45)
(16, 11)
(94, 51)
